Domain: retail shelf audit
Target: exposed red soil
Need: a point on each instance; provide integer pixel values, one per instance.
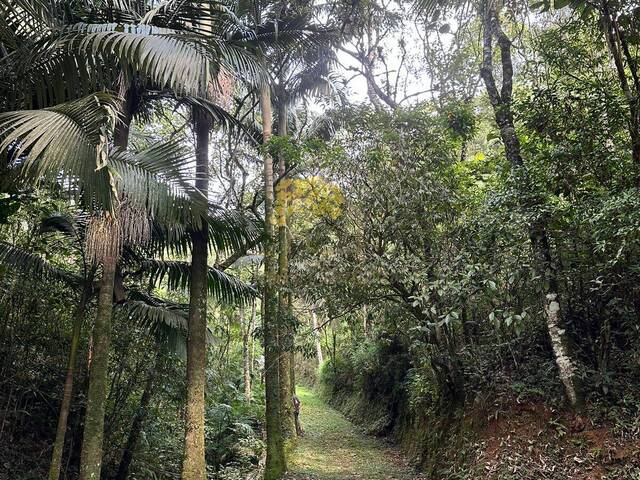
(531, 441)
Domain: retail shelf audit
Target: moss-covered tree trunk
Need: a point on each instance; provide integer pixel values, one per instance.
(92, 437)
(194, 463)
(91, 455)
(316, 337)
(138, 421)
(276, 462)
(245, 328)
(284, 310)
(252, 345)
(67, 392)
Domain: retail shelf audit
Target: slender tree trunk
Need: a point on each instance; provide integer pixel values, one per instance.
(365, 321)
(276, 462)
(316, 338)
(252, 346)
(618, 49)
(91, 456)
(292, 373)
(284, 310)
(91, 453)
(194, 463)
(138, 421)
(501, 103)
(246, 354)
(58, 445)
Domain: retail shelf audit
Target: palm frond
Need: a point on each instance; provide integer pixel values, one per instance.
(67, 140)
(229, 231)
(182, 61)
(224, 119)
(60, 222)
(20, 19)
(205, 17)
(32, 265)
(292, 36)
(172, 60)
(167, 320)
(221, 286)
(159, 180)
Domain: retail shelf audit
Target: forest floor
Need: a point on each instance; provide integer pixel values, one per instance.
(334, 449)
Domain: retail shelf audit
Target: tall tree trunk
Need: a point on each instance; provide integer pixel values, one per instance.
(67, 393)
(365, 321)
(276, 462)
(252, 346)
(245, 327)
(284, 308)
(138, 421)
(619, 49)
(316, 337)
(501, 103)
(292, 373)
(194, 463)
(91, 456)
(91, 453)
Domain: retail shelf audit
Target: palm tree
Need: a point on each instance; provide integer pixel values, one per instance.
(126, 169)
(279, 36)
(156, 49)
(300, 74)
(139, 307)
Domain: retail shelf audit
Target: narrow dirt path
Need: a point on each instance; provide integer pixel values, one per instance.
(333, 448)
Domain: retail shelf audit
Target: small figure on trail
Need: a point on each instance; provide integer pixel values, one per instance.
(296, 413)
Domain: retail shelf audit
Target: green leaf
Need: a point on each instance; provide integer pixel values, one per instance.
(560, 4)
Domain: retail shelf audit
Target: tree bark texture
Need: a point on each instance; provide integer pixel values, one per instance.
(501, 101)
(91, 453)
(284, 307)
(193, 462)
(246, 328)
(276, 462)
(67, 393)
(316, 338)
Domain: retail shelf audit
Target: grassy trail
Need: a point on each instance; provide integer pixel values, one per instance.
(333, 449)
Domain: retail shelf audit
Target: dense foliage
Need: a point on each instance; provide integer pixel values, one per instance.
(429, 211)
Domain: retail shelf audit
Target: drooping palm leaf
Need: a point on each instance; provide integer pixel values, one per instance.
(33, 265)
(168, 320)
(59, 222)
(224, 119)
(293, 35)
(228, 232)
(221, 286)
(182, 61)
(159, 180)
(205, 17)
(67, 140)
(75, 57)
(20, 19)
